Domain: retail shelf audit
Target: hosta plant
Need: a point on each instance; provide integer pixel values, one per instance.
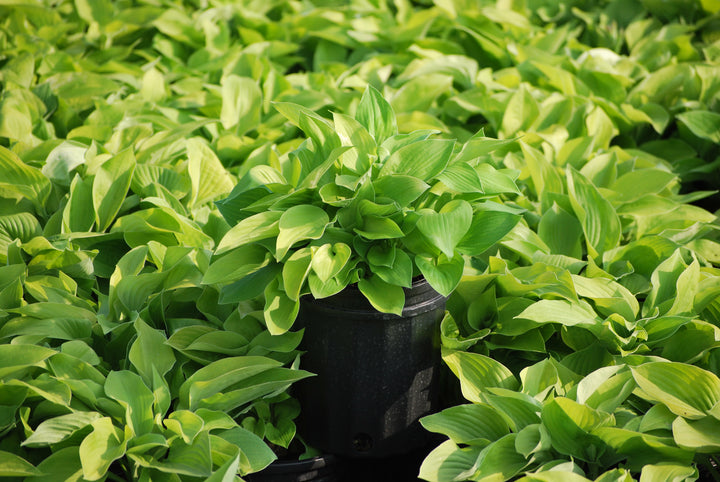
(357, 202)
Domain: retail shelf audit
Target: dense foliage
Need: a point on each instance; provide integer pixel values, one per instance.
(585, 342)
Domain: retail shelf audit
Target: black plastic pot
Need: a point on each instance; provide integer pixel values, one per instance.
(316, 469)
(377, 373)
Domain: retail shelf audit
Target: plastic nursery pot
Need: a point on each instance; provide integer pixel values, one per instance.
(316, 469)
(377, 373)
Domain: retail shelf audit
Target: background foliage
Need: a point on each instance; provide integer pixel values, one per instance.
(585, 342)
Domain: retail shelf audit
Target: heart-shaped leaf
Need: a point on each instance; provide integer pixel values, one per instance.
(446, 228)
(382, 295)
(297, 224)
(329, 259)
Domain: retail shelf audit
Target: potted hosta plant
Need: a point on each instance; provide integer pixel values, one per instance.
(358, 235)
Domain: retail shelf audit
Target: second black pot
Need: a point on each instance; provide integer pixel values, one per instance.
(377, 373)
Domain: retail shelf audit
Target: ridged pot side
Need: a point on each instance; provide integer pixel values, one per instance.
(377, 373)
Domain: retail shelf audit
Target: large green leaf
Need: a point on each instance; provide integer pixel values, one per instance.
(280, 310)
(560, 311)
(570, 425)
(236, 264)
(403, 189)
(383, 296)
(208, 178)
(424, 159)
(597, 216)
(241, 103)
(219, 375)
(475, 424)
(77, 217)
(329, 259)
(448, 462)
(21, 180)
(100, 448)
(12, 465)
(255, 455)
(254, 228)
(441, 273)
(376, 114)
(63, 465)
(477, 373)
(702, 436)
(15, 359)
(111, 184)
(129, 390)
(295, 271)
(704, 124)
(57, 429)
(448, 226)
(299, 223)
(687, 390)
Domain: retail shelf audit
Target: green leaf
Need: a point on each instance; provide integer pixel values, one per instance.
(462, 178)
(561, 231)
(477, 373)
(208, 178)
(236, 264)
(667, 472)
(110, 187)
(400, 273)
(227, 472)
(254, 228)
(128, 389)
(299, 223)
(295, 271)
(703, 123)
(376, 227)
(64, 159)
(687, 390)
(423, 159)
(98, 450)
(62, 466)
(520, 112)
(267, 384)
(255, 454)
(12, 465)
(488, 227)
(609, 296)
(217, 376)
(149, 352)
(403, 189)
(280, 310)
(17, 358)
(701, 436)
(448, 462)
(249, 287)
(447, 227)
(474, 424)
(560, 311)
(76, 216)
(597, 217)
(57, 429)
(21, 180)
(329, 259)
(635, 184)
(497, 181)
(442, 273)
(376, 114)
(500, 459)
(241, 103)
(642, 448)
(384, 297)
(570, 425)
